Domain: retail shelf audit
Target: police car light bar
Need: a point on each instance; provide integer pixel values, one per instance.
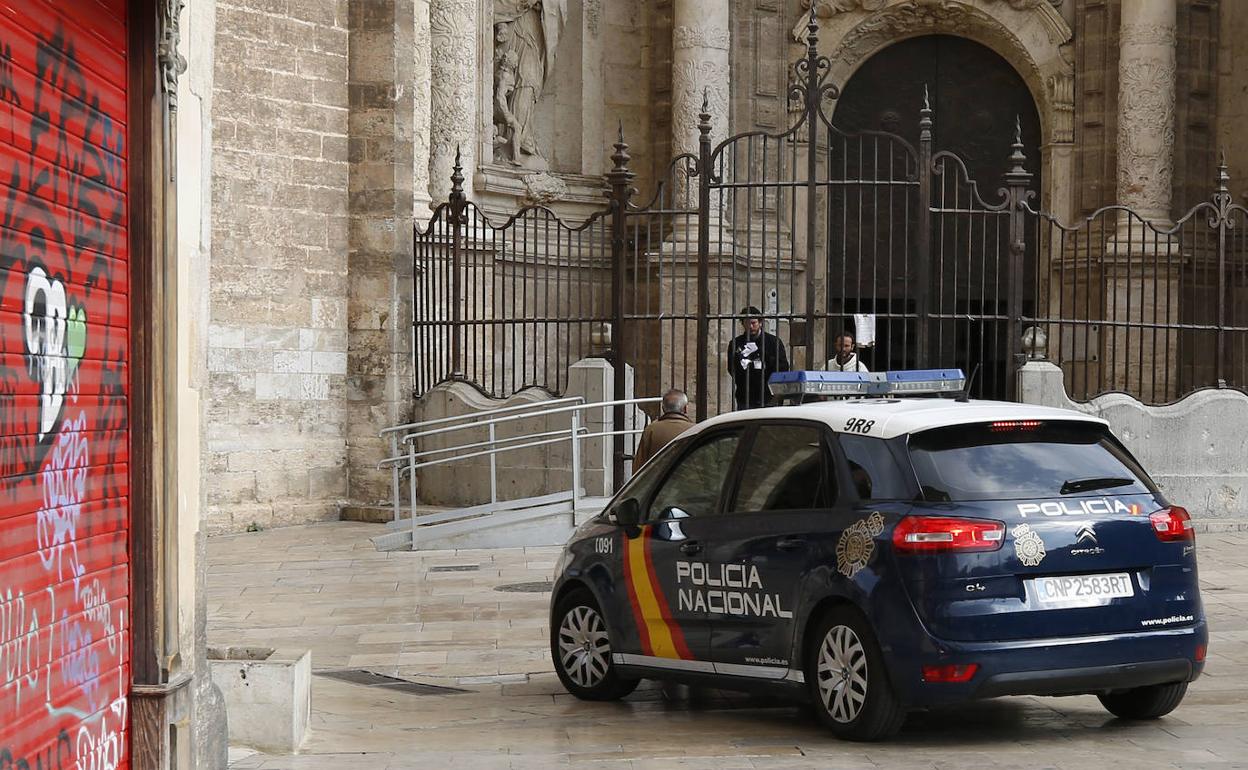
(815, 383)
(902, 383)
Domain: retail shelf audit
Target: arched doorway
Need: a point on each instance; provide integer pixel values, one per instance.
(975, 96)
(964, 270)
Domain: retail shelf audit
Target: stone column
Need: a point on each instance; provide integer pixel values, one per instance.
(1140, 270)
(379, 261)
(700, 43)
(453, 93)
(1146, 83)
(421, 199)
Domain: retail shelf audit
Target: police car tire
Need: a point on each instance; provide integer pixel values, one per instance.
(880, 715)
(611, 686)
(1149, 702)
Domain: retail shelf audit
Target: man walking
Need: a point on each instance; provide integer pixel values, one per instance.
(752, 358)
(846, 360)
(671, 423)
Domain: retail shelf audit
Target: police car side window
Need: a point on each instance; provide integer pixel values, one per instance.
(695, 482)
(786, 470)
(644, 481)
(873, 468)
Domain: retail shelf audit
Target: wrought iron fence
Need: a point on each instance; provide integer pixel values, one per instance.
(819, 227)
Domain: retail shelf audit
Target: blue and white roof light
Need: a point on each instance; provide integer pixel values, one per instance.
(912, 382)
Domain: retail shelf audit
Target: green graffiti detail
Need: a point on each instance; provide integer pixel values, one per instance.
(76, 337)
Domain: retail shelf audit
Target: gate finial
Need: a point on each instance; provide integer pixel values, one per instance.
(925, 117)
(812, 30)
(1018, 157)
(457, 173)
(1017, 172)
(621, 158)
(1224, 176)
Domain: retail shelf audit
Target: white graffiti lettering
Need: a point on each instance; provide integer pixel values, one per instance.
(64, 488)
(19, 643)
(102, 751)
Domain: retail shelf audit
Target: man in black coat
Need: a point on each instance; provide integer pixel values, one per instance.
(752, 358)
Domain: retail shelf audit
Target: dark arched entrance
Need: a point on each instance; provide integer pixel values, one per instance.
(976, 99)
(975, 96)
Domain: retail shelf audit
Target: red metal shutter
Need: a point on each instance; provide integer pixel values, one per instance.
(64, 327)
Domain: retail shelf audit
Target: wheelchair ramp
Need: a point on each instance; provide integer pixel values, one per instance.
(531, 521)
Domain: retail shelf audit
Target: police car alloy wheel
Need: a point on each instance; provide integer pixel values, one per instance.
(1144, 702)
(845, 672)
(581, 649)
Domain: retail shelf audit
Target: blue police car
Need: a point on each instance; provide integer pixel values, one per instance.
(882, 554)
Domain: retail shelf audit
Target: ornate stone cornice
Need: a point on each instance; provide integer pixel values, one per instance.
(1057, 29)
(1146, 34)
(701, 37)
(828, 8)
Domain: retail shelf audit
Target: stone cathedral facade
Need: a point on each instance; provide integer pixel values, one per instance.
(336, 124)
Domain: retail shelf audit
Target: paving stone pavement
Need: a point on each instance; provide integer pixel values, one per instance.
(405, 615)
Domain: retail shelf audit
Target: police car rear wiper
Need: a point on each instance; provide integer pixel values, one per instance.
(1070, 486)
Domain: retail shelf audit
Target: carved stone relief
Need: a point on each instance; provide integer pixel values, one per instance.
(691, 80)
(826, 9)
(1146, 134)
(526, 36)
(452, 98)
(701, 37)
(421, 122)
(172, 63)
(1062, 95)
(593, 16)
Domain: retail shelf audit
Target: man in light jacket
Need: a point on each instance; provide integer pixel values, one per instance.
(658, 434)
(846, 359)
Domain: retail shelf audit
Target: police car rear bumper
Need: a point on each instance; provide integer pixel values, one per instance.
(1061, 666)
(1073, 681)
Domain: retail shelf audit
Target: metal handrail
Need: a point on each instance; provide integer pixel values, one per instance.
(478, 444)
(396, 472)
(407, 461)
(473, 415)
(512, 418)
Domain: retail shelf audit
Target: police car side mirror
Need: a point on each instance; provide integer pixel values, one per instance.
(627, 513)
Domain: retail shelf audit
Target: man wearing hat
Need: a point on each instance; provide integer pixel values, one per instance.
(752, 358)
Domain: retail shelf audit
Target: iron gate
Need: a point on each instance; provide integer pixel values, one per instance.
(818, 227)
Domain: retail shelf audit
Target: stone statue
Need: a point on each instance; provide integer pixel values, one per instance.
(526, 34)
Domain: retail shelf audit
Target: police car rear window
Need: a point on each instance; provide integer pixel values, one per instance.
(1022, 459)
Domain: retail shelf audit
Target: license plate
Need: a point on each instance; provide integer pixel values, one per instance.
(1081, 590)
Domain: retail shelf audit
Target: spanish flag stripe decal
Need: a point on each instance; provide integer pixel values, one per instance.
(639, 617)
(665, 611)
(659, 636)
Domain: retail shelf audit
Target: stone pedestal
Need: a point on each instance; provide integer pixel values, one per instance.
(594, 379)
(268, 695)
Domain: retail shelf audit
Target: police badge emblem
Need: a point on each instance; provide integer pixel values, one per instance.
(856, 545)
(1028, 545)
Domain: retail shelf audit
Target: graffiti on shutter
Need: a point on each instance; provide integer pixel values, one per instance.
(64, 511)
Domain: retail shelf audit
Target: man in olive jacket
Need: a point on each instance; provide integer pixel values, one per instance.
(673, 422)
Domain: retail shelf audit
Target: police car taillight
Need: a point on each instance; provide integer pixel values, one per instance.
(1172, 525)
(964, 672)
(940, 534)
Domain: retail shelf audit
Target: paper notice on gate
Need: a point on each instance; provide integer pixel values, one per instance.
(864, 326)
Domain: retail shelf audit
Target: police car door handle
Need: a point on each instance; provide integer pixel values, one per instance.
(691, 547)
(791, 543)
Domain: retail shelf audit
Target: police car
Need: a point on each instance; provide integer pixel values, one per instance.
(882, 554)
